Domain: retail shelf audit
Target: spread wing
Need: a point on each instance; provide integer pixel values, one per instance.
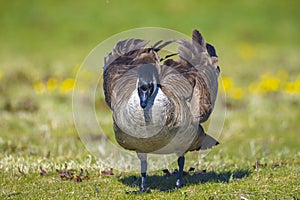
(119, 68)
(199, 69)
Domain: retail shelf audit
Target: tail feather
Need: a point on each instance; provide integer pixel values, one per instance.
(123, 47)
(208, 142)
(157, 48)
(198, 38)
(192, 50)
(129, 45)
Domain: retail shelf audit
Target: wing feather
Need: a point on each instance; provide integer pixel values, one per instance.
(200, 70)
(119, 66)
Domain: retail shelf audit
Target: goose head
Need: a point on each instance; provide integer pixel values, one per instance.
(147, 82)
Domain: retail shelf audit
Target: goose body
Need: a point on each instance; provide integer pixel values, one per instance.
(158, 107)
(152, 129)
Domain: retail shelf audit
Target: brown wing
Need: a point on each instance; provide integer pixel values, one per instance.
(118, 63)
(200, 70)
(120, 69)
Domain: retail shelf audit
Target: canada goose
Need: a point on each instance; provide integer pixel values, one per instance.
(158, 108)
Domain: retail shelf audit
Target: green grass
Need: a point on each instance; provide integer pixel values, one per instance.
(259, 154)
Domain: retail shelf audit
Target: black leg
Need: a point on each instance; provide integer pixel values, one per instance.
(143, 159)
(180, 162)
(143, 182)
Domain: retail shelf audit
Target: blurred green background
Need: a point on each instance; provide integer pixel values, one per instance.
(43, 43)
(50, 32)
(51, 37)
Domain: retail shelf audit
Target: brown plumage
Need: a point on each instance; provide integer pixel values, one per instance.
(201, 69)
(161, 114)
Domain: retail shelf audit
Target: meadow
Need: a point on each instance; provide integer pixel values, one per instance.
(42, 46)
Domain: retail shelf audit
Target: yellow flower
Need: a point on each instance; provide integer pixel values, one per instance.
(227, 83)
(292, 87)
(52, 83)
(67, 85)
(234, 92)
(297, 85)
(1, 74)
(267, 83)
(39, 88)
(270, 84)
(237, 93)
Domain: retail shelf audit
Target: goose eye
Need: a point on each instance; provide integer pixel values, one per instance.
(144, 87)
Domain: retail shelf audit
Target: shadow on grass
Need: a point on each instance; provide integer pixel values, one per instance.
(167, 184)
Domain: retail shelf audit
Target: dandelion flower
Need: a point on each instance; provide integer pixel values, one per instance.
(268, 83)
(237, 93)
(227, 83)
(39, 88)
(67, 85)
(293, 87)
(290, 88)
(52, 83)
(297, 86)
